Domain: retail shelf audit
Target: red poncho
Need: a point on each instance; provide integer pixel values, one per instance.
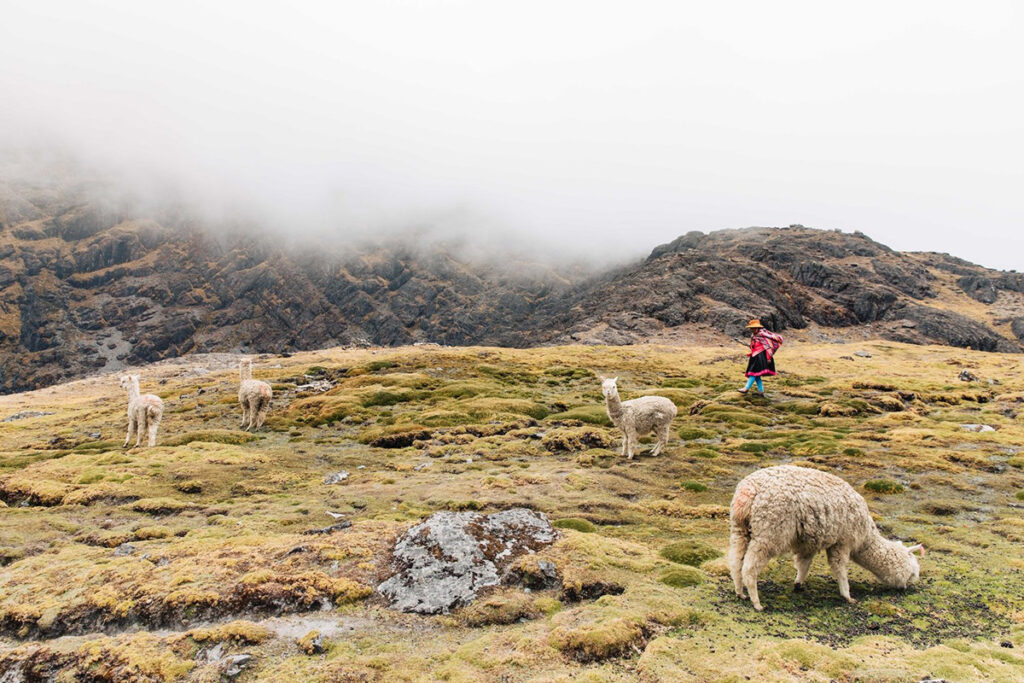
(766, 341)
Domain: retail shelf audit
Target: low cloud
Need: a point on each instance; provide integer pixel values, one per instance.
(573, 130)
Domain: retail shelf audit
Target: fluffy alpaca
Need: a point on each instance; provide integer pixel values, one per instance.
(254, 395)
(638, 417)
(144, 411)
(803, 510)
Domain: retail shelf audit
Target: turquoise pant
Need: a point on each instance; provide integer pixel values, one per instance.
(750, 383)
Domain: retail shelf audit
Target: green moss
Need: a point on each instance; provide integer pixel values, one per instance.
(694, 486)
(691, 433)
(884, 486)
(681, 382)
(683, 577)
(211, 436)
(576, 439)
(378, 365)
(692, 553)
(390, 398)
(576, 523)
(755, 447)
(707, 453)
(592, 414)
(1020, 494)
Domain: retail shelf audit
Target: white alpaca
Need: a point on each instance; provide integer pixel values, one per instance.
(638, 417)
(144, 411)
(803, 510)
(254, 395)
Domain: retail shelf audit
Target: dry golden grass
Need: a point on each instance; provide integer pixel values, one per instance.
(200, 540)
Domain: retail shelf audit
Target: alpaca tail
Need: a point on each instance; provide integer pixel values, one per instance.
(153, 414)
(742, 501)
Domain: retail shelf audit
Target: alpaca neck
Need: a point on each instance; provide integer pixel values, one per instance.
(874, 555)
(614, 406)
(133, 391)
(245, 372)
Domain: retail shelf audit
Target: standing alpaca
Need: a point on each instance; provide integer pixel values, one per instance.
(796, 508)
(144, 411)
(254, 395)
(638, 417)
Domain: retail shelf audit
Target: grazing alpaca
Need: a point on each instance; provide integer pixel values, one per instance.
(254, 395)
(803, 510)
(144, 411)
(638, 417)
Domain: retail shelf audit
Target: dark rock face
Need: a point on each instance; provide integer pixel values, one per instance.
(89, 284)
(445, 561)
(788, 277)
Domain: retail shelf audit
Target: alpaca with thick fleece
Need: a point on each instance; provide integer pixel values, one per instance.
(144, 411)
(638, 417)
(804, 510)
(254, 395)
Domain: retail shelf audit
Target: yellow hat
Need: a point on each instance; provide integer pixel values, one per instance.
(754, 323)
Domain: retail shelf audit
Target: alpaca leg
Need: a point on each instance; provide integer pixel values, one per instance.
(802, 564)
(261, 416)
(754, 560)
(662, 439)
(631, 440)
(245, 413)
(140, 426)
(131, 430)
(737, 549)
(839, 563)
(254, 409)
(154, 424)
(625, 442)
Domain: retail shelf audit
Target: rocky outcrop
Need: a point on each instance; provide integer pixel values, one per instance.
(91, 284)
(446, 560)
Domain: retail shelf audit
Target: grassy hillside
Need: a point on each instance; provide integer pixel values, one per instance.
(133, 564)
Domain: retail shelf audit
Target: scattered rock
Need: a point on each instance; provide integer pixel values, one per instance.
(335, 515)
(24, 415)
(444, 561)
(233, 665)
(336, 478)
(124, 549)
(862, 354)
(978, 428)
(344, 524)
(1006, 644)
(966, 376)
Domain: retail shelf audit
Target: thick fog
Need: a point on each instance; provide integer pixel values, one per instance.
(591, 129)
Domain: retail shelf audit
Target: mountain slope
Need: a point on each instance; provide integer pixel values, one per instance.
(92, 283)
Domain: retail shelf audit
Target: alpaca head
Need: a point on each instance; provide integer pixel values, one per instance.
(902, 568)
(608, 386)
(128, 381)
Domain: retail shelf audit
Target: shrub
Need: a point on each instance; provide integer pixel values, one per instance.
(884, 486)
(575, 439)
(576, 523)
(692, 553)
(682, 577)
(690, 434)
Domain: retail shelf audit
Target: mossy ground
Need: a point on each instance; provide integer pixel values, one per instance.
(128, 564)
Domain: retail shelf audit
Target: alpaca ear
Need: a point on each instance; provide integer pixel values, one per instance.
(914, 548)
(615, 379)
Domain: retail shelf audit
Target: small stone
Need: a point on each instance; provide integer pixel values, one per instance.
(1006, 644)
(124, 549)
(336, 478)
(344, 524)
(977, 428)
(862, 354)
(966, 376)
(233, 665)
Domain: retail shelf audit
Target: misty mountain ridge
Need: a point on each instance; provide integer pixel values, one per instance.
(92, 284)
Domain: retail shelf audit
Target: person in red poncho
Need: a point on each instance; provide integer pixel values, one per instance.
(763, 345)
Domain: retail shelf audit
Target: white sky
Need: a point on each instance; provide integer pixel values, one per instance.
(597, 128)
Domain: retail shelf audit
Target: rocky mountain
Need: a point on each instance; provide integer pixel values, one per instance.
(90, 283)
